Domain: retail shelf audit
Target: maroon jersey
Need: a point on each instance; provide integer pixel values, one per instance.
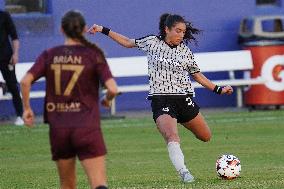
(73, 75)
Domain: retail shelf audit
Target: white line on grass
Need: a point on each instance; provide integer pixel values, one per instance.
(120, 124)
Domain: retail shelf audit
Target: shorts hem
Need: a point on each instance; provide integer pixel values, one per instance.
(189, 119)
(92, 156)
(57, 158)
(155, 119)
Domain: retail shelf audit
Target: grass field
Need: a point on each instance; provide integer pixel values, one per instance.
(137, 156)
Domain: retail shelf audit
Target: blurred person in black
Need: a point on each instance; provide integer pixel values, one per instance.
(9, 55)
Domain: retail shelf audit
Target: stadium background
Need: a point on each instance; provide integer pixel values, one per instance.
(219, 20)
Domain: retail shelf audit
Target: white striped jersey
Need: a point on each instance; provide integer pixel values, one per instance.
(168, 66)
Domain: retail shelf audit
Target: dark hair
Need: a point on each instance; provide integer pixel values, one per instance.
(73, 24)
(170, 20)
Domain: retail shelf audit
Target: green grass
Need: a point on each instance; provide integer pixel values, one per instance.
(137, 155)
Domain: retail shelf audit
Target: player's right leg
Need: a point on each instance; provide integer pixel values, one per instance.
(67, 173)
(167, 126)
(96, 172)
(165, 119)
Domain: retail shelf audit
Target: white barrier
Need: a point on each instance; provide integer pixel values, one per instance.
(229, 61)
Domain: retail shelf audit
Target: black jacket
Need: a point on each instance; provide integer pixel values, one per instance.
(7, 32)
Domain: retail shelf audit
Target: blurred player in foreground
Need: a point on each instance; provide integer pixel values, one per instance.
(73, 72)
(170, 62)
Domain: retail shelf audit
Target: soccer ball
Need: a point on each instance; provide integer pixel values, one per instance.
(228, 167)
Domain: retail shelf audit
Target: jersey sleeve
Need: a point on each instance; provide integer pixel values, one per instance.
(38, 70)
(102, 68)
(192, 66)
(145, 42)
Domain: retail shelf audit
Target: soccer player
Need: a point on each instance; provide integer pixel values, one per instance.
(73, 72)
(170, 62)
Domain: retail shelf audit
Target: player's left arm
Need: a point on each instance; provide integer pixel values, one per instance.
(111, 92)
(28, 114)
(205, 82)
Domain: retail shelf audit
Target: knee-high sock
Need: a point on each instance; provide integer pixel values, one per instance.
(176, 155)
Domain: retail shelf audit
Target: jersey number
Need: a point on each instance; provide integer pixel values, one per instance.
(58, 68)
(190, 103)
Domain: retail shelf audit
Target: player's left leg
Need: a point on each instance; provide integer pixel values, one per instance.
(67, 173)
(199, 128)
(96, 171)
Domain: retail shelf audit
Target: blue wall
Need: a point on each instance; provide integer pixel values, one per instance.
(219, 20)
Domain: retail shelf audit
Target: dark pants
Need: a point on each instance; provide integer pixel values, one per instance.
(11, 82)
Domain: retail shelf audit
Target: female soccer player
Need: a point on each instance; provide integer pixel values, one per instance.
(73, 72)
(170, 62)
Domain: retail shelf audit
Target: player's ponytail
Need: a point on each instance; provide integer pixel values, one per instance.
(162, 25)
(87, 43)
(73, 24)
(170, 20)
(190, 32)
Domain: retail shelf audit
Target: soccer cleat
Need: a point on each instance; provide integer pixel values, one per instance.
(19, 121)
(186, 176)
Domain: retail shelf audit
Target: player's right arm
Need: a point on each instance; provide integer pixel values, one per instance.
(28, 114)
(120, 39)
(37, 71)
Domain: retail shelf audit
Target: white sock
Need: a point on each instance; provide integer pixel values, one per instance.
(176, 155)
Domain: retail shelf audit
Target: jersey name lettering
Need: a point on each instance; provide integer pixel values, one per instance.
(67, 59)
